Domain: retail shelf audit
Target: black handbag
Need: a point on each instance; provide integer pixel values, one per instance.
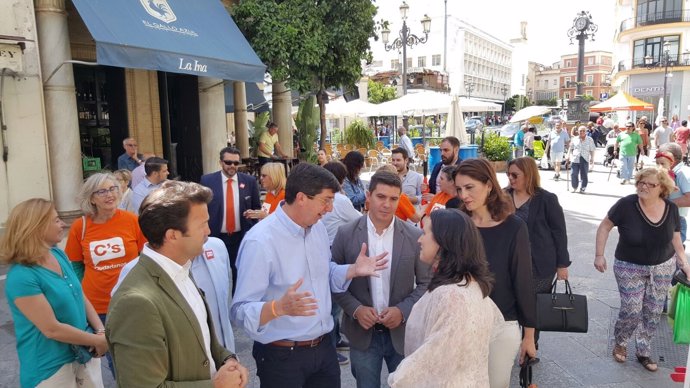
(525, 376)
(562, 312)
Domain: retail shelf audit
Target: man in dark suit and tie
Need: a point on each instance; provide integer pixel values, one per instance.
(376, 308)
(234, 193)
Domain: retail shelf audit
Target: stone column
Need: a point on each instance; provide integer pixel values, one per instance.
(240, 115)
(282, 115)
(214, 135)
(60, 106)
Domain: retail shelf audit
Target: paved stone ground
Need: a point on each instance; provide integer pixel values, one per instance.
(567, 360)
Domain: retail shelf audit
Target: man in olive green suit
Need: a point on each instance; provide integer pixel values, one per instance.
(158, 327)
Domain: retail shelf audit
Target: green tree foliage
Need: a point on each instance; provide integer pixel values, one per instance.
(588, 97)
(313, 44)
(359, 135)
(550, 102)
(307, 121)
(378, 92)
(516, 103)
(258, 129)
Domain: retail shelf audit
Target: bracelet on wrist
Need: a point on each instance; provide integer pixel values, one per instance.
(273, 309)
(99, 331)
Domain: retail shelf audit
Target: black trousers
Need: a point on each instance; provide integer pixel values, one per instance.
(297, 367)
(232, 244)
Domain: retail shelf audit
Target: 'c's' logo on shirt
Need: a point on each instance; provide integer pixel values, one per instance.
(109, 249)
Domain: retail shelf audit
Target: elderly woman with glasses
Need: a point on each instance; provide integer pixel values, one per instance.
(273, 181)
(102, 241)
(648, 250)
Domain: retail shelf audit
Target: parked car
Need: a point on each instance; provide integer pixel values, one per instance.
(473, 125)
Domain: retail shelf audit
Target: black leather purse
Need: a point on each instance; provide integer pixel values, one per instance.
(566, 312)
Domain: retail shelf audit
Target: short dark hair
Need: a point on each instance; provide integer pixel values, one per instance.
(452, 140)
(338, 170)
(229, 150)
(499, 204)
(167, 207)
(684, 122)
(461, 251)
(384, 178)
(154, 164)
(309, 179)
(402, 151)
(353, 161)
(271, 125)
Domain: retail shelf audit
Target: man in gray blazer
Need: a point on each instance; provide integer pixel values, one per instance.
(376, 308)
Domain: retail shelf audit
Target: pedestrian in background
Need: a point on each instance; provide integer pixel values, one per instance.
(648, 250)
(49, 310)
(581, 154)
(124, 177)
(273, 181)
(353, 186)
(628, 145)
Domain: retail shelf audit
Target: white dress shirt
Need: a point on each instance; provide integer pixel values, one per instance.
(180, 276)
(379, 243)
(235, 200)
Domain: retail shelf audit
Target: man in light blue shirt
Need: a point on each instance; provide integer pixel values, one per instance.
(156, 173)
(284, 285)
(558, 142)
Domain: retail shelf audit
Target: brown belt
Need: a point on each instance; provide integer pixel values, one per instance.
(291, 344)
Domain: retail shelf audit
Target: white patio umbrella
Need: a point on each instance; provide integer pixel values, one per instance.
(455, 125)
(529, 112)
(422, 103)
(357, 108)
(472, 105)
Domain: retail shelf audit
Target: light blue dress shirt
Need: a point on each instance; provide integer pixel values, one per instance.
(273, 256)
(139, 193)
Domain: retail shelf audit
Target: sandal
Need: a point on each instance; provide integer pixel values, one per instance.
(647, 363)
(620, 353)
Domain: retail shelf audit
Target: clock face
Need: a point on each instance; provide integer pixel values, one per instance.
(581, 23)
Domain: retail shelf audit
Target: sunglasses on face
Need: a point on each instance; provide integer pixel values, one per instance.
(231, 162)
(512, 175)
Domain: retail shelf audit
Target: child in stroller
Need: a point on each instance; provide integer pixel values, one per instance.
(611, 138)
(610, 154)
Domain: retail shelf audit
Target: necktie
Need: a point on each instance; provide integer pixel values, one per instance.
(230, 209)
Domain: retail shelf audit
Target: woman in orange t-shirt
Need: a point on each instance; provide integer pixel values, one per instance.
(103, 241)
(446, 191)
(273, 181)
(406, 210)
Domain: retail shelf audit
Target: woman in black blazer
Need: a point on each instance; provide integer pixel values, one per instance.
(545, 222)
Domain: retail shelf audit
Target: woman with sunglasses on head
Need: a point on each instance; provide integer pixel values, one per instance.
(543, 214)
(102, 241)
(507, 247)
(49, 309)
(648, 250)
(449, 329)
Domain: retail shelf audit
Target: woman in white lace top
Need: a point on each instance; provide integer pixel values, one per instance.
(449, 330)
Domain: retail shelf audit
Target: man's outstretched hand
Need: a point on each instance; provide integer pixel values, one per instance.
(367, 266)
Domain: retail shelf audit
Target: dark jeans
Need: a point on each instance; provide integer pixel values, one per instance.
(232, 243)
(107, 355)
(297, 367)
(366, 364)
(581, 168)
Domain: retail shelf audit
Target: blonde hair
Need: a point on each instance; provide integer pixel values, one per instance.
(275, 171)
(124, 174)
(24, 238)
(90, 185)
(661, 174)
(389, 168)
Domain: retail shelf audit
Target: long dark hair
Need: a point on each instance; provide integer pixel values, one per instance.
(354, 161)
(461, 251)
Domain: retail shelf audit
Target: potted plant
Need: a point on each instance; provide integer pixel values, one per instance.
(497, 150)
(359, 135)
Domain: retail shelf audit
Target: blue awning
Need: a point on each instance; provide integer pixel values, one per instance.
(195, 37)
(256, 102)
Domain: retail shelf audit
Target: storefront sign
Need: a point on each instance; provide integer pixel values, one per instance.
(647, 90)
(11, 57)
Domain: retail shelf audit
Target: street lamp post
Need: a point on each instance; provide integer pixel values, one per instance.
(665, 62)
(469, 86)
(583, 28)
(405, 38)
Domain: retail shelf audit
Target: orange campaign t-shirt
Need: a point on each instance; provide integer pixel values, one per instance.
(105, 249)
(437, 202)
(405, 209)
(272, 201)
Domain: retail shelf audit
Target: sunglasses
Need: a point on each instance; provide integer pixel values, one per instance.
(231, 162)
(512, 175)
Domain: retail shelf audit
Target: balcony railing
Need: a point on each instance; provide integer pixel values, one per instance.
(656, 18)
(636, 63)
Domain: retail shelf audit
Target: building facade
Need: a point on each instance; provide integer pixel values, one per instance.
(597, 73)
(67, 112)
(652, 53)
